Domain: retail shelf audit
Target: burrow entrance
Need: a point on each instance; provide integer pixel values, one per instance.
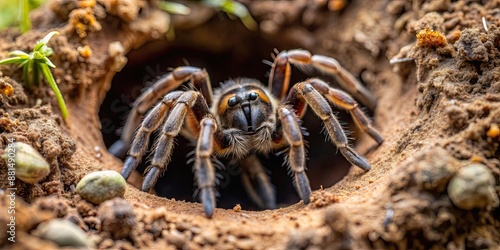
(240, 57)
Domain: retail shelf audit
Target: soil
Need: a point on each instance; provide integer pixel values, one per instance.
(438, 110)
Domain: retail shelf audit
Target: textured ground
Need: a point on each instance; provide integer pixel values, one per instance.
(437, 112)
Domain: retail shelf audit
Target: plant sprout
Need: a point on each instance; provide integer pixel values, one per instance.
(37, 62)
(234, 8)
(231, 7)
(174, 8)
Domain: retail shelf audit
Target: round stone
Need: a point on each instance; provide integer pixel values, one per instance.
(473, 187)
(100, 186)
(30, 166)
(64, 234)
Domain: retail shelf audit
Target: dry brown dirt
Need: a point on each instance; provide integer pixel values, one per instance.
(436, 112)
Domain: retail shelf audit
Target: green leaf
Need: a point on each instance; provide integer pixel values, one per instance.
(44, 40)
(37, 55)
(19, 53)
(50, 79)
(234, 8)
(13, 60)
(240, 11)
(174, 8)
(46, 50)
(47, 61)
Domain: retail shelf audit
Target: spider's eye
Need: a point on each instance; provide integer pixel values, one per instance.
(253, 96)
(232, 101)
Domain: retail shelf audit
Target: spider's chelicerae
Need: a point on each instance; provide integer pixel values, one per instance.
(240, 119)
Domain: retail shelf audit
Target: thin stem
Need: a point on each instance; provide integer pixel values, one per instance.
(26, 73)
(24, 11)
(36, 73)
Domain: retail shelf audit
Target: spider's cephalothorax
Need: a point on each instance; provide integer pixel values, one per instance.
(243, 118)
(245, 112)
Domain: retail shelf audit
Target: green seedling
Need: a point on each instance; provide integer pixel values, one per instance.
(231, 7)
(37, 62)
(234, 8)
(174, 8)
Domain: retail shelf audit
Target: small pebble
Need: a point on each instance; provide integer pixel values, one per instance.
(64, 234)
(237, 208)
(30, 166)
(85, 51)
(100, 186)
(494, 131)
(473, 187)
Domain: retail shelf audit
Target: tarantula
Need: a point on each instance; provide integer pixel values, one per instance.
(240, 119)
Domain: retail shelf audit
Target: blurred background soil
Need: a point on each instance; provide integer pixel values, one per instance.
(438, 111)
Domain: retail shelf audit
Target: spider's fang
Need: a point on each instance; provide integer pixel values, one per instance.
(248, 115)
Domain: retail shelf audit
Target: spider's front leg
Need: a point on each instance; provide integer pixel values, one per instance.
(178, 103)
(204, 171)
(297, 154)
(196, 76)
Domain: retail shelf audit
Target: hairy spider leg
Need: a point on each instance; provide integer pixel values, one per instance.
(279, 79)
(306, 93)
(195, 76)
(344, 101)
(257, 183)
(296, 155)
(179, 103)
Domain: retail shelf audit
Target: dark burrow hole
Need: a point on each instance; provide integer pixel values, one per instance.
(325, 165)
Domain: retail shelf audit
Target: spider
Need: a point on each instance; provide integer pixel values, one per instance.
(240, 119)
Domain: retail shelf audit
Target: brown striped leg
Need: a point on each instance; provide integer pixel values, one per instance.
(197, 77)
(296, 156)
(280, 74)
(343, 100)
(171, 128)
(305, 92)
(204, 171)
(257, 183)
(151, 122)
